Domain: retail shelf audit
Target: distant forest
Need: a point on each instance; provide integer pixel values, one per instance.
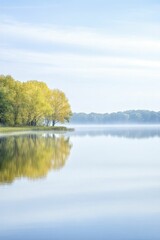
(126, 117)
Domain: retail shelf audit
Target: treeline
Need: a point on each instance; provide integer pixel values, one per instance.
(126, 117)
(31, 103)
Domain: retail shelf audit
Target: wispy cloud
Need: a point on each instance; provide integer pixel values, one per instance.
(110, 63)
(83, 64)
(83, 37)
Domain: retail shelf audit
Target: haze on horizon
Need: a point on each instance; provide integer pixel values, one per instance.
(105, 55)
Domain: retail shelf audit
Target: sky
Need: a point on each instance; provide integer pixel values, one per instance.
(104, 54)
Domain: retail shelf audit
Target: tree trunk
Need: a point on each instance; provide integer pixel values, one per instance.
(53, 123)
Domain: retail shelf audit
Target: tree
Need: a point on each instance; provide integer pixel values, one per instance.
(37, 99)
(7, 84)
(11, 101)
(61, 110)
(30, 103)
(18, 103)
(4, 106)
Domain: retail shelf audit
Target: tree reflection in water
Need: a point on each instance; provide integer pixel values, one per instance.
(32, 156)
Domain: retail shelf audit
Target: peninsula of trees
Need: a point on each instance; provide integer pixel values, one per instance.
(126, 117)
(31, 103)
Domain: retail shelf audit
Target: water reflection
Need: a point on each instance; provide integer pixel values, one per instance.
(114, 131)
(31, 156)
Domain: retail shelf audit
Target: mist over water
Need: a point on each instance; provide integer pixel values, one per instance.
(126, 131)
(93, 183)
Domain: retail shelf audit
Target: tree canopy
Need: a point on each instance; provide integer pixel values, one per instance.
(61, 110)
(31, 103)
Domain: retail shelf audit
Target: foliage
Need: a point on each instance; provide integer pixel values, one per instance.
(61, 110)
(126, 117)
(31, 103)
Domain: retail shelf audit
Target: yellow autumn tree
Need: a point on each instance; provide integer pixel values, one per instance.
(31, 103)
(37, 99)
(61, 110)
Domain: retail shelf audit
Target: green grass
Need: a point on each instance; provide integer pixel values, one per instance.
(20, 129)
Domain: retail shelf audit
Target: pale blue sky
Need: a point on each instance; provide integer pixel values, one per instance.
(105, 55)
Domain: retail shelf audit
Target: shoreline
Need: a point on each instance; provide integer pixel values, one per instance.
(24, 129)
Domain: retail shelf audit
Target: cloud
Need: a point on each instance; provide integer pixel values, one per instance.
(109, 60)
(83, 65)
(81, 37)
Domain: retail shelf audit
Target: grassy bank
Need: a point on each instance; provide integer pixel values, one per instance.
(20, 129)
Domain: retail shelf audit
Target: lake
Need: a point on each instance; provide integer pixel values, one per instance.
(98, 182)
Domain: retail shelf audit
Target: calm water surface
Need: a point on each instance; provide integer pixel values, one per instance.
(93, 183)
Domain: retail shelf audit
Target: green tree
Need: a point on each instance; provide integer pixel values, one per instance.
(4, 106)
(7, 85)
